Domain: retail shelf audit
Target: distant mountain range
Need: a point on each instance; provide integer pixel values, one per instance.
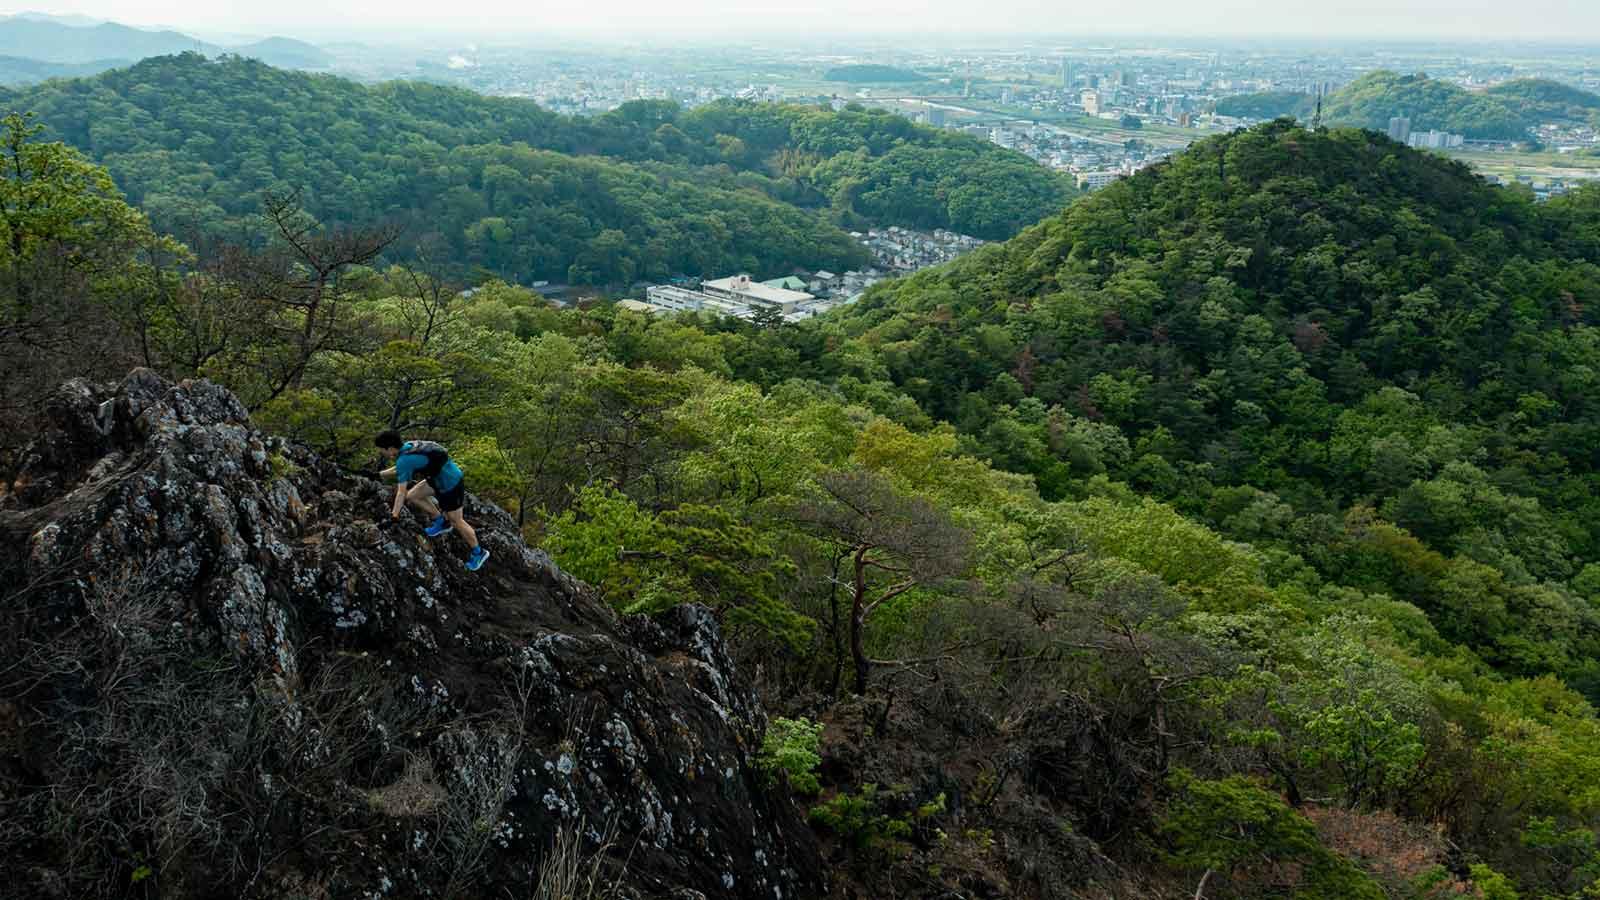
(72, 19)
(285, 53)
(36, 46)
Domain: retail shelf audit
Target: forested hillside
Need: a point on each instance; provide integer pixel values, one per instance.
(1504, 112)
(501, 184)
(1266, 105)
(1230, 533)
(1285, 333)
(1550, 98)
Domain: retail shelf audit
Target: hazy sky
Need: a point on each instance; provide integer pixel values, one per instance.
(1568, 20)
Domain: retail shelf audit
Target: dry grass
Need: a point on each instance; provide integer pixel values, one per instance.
(416, 793)
(568, 872)
(1392, 850)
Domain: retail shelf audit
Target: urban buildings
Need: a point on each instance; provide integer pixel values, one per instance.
(1435, 140)
(1093, 181)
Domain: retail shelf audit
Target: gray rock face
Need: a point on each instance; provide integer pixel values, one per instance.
(370, 718)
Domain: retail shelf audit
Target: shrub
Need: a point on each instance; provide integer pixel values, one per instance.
(790, 746)
(1237, 830)
(858, 818)
(855, 818)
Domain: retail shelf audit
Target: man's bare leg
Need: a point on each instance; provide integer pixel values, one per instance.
(422, 498)
(459, 523)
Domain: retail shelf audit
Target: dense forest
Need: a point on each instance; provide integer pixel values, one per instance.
(648, 191)
(1228, 534)
(1282, 329)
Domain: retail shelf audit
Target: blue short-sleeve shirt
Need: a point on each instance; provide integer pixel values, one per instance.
(406, 466)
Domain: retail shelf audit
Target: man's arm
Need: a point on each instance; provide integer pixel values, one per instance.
(400, 488)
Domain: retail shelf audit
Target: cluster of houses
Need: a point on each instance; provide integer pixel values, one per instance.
(895, 251)
(907, 250)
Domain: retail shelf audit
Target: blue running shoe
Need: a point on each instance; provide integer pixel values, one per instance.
(476, 560)
(436, 527)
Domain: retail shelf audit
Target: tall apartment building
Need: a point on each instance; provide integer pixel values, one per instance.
(1400, 129)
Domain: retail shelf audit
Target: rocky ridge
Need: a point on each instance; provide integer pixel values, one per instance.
(229, 678)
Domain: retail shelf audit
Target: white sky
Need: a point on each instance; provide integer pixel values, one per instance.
(1571, 21)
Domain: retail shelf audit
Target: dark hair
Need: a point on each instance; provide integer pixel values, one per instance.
(387, 439)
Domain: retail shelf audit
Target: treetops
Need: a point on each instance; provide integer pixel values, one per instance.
(1328, 319)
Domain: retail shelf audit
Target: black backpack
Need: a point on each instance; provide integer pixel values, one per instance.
(436, 453)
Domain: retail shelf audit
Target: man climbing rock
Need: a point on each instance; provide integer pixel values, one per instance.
(439, 486)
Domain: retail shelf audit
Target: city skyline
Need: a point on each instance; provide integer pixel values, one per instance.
(1544, 20)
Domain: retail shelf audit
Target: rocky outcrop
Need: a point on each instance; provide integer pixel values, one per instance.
(264, 691)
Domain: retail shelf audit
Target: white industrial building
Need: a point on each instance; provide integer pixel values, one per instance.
(738, 296)
(742, 290)
(675, 298)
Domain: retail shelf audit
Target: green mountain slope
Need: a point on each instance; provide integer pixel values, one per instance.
(1318, 324)
(723, 187)
(196, 142)
(1266, 105)
(1547, 99)
(873, 165)
(1504, 112)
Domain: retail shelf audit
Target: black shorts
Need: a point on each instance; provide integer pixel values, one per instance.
(451, 500)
